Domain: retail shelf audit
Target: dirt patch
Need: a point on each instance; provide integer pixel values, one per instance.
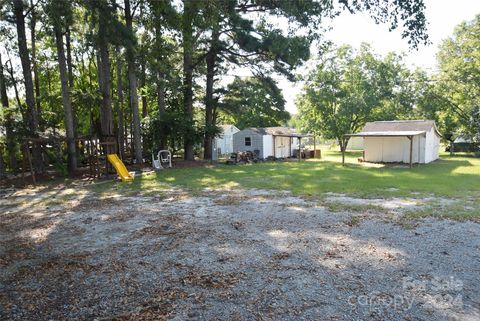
(242, 254)
(389, 203)
(216, 280)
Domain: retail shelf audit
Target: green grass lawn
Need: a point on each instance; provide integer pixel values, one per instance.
(457, 176)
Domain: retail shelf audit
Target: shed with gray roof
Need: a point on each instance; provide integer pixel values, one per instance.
(402, 141)
(277, 142)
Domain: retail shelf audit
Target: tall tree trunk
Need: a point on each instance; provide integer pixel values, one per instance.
(343, 142)
(2, 163)
(211, 59)
(187, 35)
(160, 75)
(27, 75)
(143, 81)
(103, 65)
(132, 78)
(62, 65)
(8, 121)
(36, 80)
(161, 106)
(126, 131)
(68, 44)
(20, 106)
(120, 132)
(161, 93)
(132, 143)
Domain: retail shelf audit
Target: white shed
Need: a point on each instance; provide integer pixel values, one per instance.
(224, 142)
(277, 142)
(400, 141)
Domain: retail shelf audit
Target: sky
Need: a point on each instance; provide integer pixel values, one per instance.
(442, 17)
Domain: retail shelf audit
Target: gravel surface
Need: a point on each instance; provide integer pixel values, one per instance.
(230, 255)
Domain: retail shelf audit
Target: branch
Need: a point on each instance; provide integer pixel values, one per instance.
(14, 82)
(241, 55)
(345, 3)
(3, 3)
(30, 8)
(195, 37)
(134, 8)
(456, 109)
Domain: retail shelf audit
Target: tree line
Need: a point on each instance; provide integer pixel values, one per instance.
(349, 87)
(148, 73)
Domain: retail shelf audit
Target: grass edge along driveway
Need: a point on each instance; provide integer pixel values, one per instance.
(453, 177)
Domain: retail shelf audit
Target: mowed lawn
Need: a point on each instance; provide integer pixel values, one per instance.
(450, 176)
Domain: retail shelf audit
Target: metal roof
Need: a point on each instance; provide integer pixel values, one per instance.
(400, 125)
(278, 131)
(398, 133)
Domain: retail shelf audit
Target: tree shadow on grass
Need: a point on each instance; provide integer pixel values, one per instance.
(315, 178)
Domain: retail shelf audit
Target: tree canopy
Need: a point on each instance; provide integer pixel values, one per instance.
(112, 69)
(350, 87)
(254, 102)
(458, 82)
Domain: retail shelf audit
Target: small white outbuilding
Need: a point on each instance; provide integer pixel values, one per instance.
(400, 141)
(223, 144)
(276, 142)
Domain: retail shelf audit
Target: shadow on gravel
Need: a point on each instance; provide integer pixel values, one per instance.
(236, 255)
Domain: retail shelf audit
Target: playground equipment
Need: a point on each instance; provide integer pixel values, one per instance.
(164, 159)
(120, 168)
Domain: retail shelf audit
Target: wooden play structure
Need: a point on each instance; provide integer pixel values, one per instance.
(93, 154)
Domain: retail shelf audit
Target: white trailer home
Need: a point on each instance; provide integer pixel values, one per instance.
(400, 141)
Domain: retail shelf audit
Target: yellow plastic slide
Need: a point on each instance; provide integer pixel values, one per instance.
(120, 168)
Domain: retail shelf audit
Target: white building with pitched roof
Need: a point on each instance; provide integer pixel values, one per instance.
(223, 144)
(276, 142)
(400, 141)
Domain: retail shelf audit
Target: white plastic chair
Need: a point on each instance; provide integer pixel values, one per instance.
(163, 157)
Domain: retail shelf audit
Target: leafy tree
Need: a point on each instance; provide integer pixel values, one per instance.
(409, 13)
(7, 120)
(106, 28)
(34, 16)
(254, 102)
(190, 12)
(349, 88)
(120, 105)
(132, 77)
(169, 126)
(177, 51)
(18, 11)
(430, 104)
(236, 39)
(162, 54)
(60, 15)
(459, 77)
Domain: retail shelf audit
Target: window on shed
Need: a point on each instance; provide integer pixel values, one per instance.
(248, 141)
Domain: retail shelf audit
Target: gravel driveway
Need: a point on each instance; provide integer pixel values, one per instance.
(229, 255)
